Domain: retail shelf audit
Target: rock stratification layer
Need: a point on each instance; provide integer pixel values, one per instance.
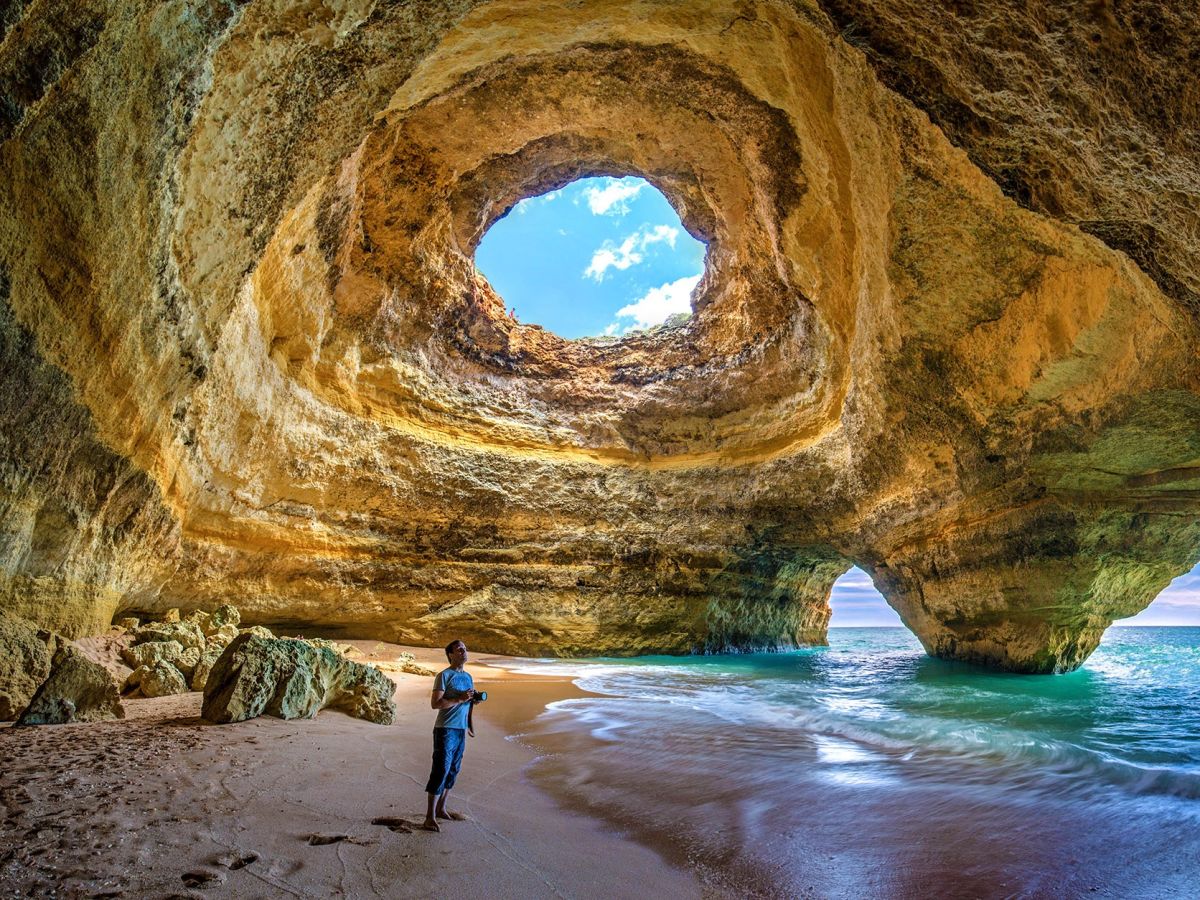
(946, 332)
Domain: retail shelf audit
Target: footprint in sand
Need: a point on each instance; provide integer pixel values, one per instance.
(201, 879)
(319, 840)
(392, 823)
(237, 860)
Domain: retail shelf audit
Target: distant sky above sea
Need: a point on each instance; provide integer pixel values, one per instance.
(856, 603)
(606, 256)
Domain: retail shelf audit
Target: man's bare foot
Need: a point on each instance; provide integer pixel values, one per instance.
(451, 816)
(431, 825)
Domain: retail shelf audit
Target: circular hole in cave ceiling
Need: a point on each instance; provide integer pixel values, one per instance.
(598, 258)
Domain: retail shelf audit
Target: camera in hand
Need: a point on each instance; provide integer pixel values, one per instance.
(479, 697)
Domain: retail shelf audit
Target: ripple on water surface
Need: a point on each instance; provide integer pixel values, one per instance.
(870, 755)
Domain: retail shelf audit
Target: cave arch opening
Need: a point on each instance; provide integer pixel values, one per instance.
(855, 602)
(1177, 605)
(601, 257)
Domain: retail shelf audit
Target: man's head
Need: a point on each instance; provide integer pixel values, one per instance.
(456, 652)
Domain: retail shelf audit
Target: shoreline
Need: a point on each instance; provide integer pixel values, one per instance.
(163, 803)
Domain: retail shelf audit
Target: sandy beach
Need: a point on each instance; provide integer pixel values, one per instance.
(164, 804)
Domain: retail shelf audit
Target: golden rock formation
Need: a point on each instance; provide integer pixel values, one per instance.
(947, 329)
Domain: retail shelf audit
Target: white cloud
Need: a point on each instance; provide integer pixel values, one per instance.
(613, 198)
(660, 233)
(630, 251)
(657, 305)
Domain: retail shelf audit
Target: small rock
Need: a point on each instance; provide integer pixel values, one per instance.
(77, 690)
(326, 644)
(171, 616)
(129, 623)
(208, 659)
(227, 614)
(187, 661)
(258, 631)
(151, 652)
(187, 633)
(414, 668)
(160, 680)
(134, 680)
(223, 636)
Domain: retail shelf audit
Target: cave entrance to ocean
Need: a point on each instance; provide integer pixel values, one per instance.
(855, 602)
(1178, 604)
(600, 258)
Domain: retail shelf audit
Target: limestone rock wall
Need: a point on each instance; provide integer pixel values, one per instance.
(83, 531)
(947, 329)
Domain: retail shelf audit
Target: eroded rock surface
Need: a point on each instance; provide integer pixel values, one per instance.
(156, 679)
(150, 652)
(77, 690)
(25, 659)
(947, 329)
(292, 679)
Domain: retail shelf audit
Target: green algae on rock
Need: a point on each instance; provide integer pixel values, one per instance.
(291, 679)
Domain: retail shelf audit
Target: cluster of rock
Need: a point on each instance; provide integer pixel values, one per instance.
(293, 678)
(176, 655)
(247, 672)
(244, 672)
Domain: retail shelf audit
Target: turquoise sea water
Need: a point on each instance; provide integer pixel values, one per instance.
(868, 769)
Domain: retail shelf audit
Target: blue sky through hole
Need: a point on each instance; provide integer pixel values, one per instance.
(856, 603)
(599, 257)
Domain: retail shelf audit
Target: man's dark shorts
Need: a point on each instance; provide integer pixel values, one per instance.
(448, 746)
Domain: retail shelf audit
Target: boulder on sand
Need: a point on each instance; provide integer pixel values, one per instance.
(226, 614)
(223, 636)
(187, 633)
(77, 690)
(150, 652)
(187, 661)
(159, 679)
(24, 664)
(208, 659)
(292, 679)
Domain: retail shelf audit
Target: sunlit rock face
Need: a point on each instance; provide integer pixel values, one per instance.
(947, 330)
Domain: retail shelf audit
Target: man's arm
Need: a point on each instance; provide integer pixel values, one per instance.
(439, 700)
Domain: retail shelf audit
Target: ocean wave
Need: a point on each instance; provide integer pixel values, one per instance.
(912, 743)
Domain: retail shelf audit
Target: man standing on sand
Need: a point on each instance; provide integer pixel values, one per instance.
(453, 689)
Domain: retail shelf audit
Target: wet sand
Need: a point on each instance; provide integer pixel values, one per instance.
(163, 804)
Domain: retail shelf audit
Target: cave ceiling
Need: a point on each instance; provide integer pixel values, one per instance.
(947, 329)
